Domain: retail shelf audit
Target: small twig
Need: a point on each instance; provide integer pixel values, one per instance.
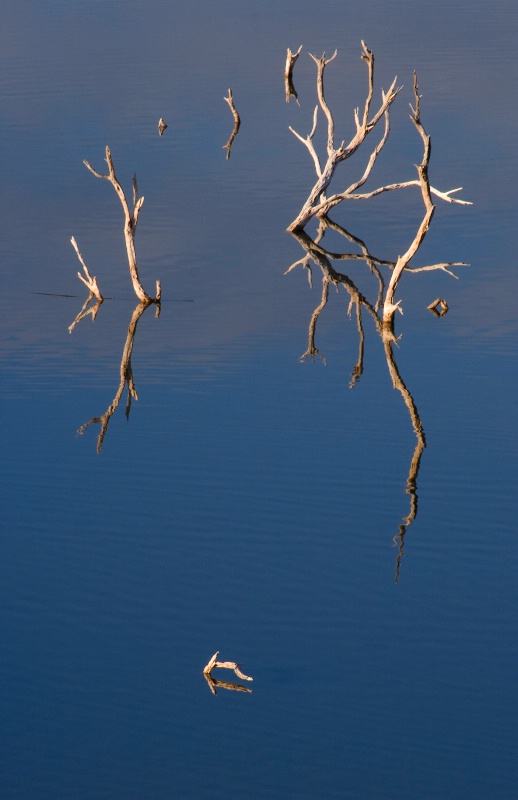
(237, 122)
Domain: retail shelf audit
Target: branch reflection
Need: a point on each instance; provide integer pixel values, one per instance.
(316, 254)
(126, 378)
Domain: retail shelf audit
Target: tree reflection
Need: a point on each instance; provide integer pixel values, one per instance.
(126, 374)
(316, 254)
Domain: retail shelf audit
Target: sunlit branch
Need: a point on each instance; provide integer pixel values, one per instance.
(335, 155)
(215, 664)
(288, 74)
(93, 291)
(237, 122)
(318, 203)
(130, 226)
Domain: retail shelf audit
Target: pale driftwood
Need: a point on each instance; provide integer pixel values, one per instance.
(288, 75)
(93, 291)
(335, 155)
(161, 126)
(318, 204)
(130, 226)
(214, 663)
(390, 304)
(237, 122)
(90, 282)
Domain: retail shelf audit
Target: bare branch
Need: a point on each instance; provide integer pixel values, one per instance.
(288, 75)
(308, 142)
(422, 170)
(130, 223)
(90, 282)
(316, 202)
(214, 663)
(237, 122)
(321, 65)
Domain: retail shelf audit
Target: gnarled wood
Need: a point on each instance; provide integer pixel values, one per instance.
(318, 203)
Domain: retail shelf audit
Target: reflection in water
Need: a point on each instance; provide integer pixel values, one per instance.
(322, 258)
(126, 374)
(215, 684)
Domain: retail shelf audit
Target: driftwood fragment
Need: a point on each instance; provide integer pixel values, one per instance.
(161, 126)
(288, 75)
(237, 122)
(215, 664)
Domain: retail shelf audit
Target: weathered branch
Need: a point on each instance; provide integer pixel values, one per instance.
(90, 282)
(214, 663)
(130, 226)
(93, 291)
(237, 122)
(288, 74)
(318, 204)
(390, 306)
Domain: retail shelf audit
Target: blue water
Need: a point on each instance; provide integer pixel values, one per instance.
(253, 502)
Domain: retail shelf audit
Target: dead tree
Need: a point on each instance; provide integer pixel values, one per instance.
(317, 203)
(130, 227)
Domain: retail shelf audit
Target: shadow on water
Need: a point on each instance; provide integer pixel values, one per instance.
(315, 253)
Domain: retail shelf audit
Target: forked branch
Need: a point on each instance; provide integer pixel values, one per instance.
(130, 226)
(335, 155)
(318, 203)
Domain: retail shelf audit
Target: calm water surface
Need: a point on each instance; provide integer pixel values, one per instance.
(350, 543)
